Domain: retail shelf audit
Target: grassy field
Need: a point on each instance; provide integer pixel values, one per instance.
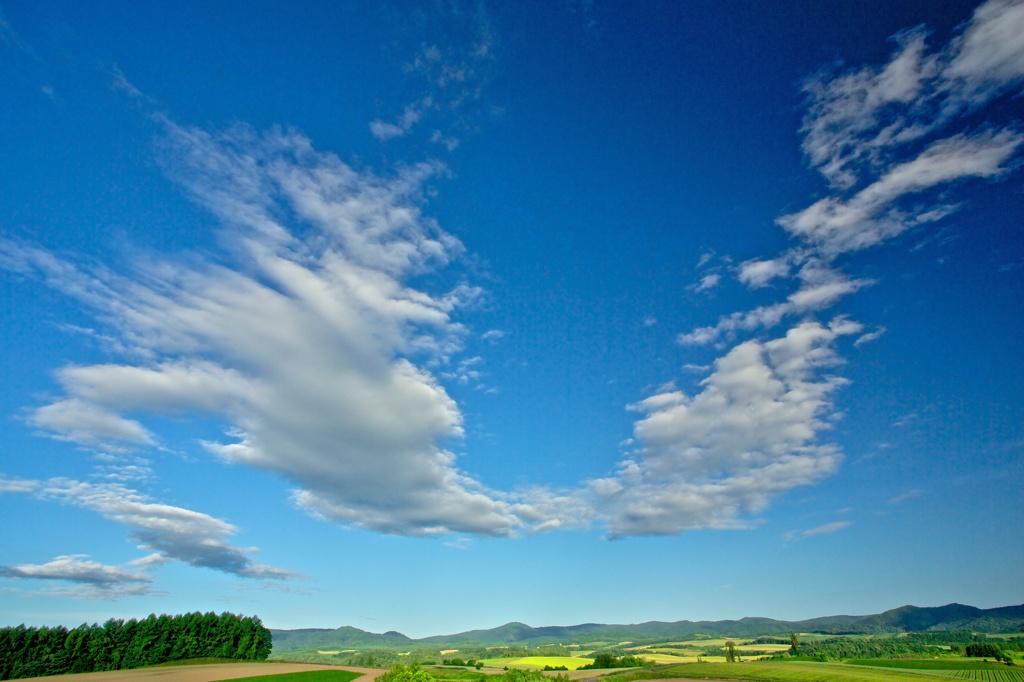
(929, 664)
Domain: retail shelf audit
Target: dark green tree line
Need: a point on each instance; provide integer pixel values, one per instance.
(122, 645)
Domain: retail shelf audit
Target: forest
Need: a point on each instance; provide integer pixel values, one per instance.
(911, 645)
(122, 645)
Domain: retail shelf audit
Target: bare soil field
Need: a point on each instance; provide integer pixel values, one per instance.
(205, 673)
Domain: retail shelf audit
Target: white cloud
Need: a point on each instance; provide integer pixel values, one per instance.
(305, 343)
(857, 121)
(853, 118)
(90, 580)
(411, 115)
(171, 532)
(17, 485)
(452, 77)
(74, 568)
(756, 273)
(79, 422)
(820, 530)
(821, 287)
(869, 337)
(878, 135)
(906, 420)
(707, 282)
(710, 460)
(903, 497)
(989, 56)
(834, 226)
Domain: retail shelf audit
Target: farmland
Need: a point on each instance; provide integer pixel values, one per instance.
(804, 671)
(538, 662)
(885, 648)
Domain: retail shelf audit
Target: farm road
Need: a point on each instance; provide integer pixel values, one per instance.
(206, 673)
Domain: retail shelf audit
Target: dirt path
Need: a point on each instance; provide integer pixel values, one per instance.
(206, 673)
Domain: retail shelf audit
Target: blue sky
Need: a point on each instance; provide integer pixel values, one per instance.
(434, 316)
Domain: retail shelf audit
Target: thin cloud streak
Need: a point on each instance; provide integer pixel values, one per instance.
(825, 529)
(89, 580)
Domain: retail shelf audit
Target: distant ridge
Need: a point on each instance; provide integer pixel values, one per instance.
(345, 637)
(903, 619)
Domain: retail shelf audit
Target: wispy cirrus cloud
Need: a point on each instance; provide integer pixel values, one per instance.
(451, 77)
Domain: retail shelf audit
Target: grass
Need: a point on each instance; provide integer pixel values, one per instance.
(311, 676)
(929, 664)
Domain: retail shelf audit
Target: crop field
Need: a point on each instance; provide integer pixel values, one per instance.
(538, 662)
(762, 647)
(661, 658)
(1005, 675)
(796, 671)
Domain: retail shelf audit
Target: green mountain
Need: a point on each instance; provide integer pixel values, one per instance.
(903, 619)
(342, 638)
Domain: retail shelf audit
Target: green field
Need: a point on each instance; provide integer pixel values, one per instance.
(1005, 675)
(929, 664)
(800, 671)
(311, 676)
(538, 662)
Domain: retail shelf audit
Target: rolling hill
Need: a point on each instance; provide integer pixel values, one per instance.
(902, 619)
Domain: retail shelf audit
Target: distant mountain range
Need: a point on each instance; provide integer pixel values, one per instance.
(904, 619)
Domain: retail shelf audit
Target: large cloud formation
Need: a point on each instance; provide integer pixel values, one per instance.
(750, 434)
(311, 346)
(886, 139)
